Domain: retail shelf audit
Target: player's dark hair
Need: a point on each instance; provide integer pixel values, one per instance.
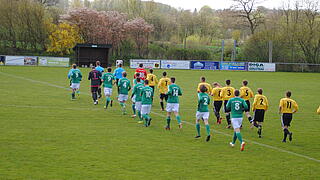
(151, 71)
(146, 82)
(138, 79)
(260, 90)
(141, 65)
(74, 66)
(124, 74)
(137, 74)
(203, 88)
(164, 73)
(120, 65)
(203, 79)
(109, 69)
(288, 93)
(228, 82)
(245, 82)
(173, 79)
(98, 63)
(236, 92)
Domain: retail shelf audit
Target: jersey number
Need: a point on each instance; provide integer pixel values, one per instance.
(175, 92)
(109, 78)
(237, 106)
(288, 105)
(247, 92)
(166, 83)
(124, 84)
(152, 79)
(261, 101)
(148, 94)
(229, 92)
(219, 94)
(205, 101)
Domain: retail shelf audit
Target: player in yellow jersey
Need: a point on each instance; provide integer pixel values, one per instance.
(227, 93)
(153, 81)
(207, 85)
(246, 94)
(259, 107)
(217, 100)
(163, 84)
(287, 107)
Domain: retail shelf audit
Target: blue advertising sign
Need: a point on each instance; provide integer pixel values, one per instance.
(234, 66)
(209, 65)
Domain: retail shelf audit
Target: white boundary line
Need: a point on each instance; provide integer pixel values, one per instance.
(216, 131)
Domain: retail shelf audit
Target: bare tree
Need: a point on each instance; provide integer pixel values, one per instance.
(247, 10)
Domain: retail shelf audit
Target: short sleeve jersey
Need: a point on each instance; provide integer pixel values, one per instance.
(173, 93)
(260, 102)
(208, 86)
(203, 102)
(147, 95)
(237, 105)
(124, 86)
(216, 93)
(108, 80)
(153, 81)
(288, 105)
(227, 92)
(137, 91)
(246, 93)
(163, 85)
(76, 76)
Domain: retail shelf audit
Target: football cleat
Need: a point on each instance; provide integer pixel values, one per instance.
(220, 120)
(231, 144)
(197, 136)
(167, 128)
(290, 136)
(284, 141)
(95, 103)
(228, 127)
(149, 122)
(242, 146)
(208, 138)
(105, 107)
(180, 125)
(133, 116)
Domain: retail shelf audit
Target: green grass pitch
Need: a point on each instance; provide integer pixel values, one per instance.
(45, 135)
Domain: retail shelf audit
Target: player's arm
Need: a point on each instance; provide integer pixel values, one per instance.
(133, 92)
(180, 92)
(222, 93)
(89, 77)
(198, 88)
(251, 94)
(295, 105)
(156, 79)
(254, 103)
(280, 106)
(169, 91)
(267, 103)
(228, 106)
(245, 105)
(129, 86)
(160, 83)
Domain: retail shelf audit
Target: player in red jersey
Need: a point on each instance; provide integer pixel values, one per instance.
(142, 72)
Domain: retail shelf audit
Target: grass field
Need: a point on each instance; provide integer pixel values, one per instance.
(45, 135)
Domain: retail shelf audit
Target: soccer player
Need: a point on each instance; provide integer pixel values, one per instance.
(227, 92)
(75, 77)
(203, 111)
(124, 88)
(173, 102)
(108, 81)
(133, 96)
(153, 81)
(287, 107)
(217, 100)
(203, 82)
(146, 103)
(118, 74)
(95, 77)
(259, 107)
(136, 96)
(142, 72)
(163, 88)
(236, 105)
(101, 70)
(246, 93)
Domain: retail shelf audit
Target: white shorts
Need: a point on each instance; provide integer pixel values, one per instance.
(122, 97)
(172, 107)
(75, 85)
(236, 122)
(107, 91)
(202, 115)
(133, 99)
(138, 105)
(145, 109)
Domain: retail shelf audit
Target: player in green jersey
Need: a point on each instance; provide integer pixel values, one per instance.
(124, 88)
(203, 111)
(76, 77)
(174, 91)
(146, 102)
(108, 81)
(137, 98)
(136, 76)
(237, 106)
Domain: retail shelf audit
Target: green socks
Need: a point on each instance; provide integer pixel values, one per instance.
(168, 121)
(234, 138)
(123, 107)
(139, 114)
(208, 129)
(107, 101)
(134, 108)
(178, 119)
(198, 129)
(239, 136)
(146, 118)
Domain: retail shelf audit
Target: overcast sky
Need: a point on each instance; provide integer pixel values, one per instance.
(215, 4)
